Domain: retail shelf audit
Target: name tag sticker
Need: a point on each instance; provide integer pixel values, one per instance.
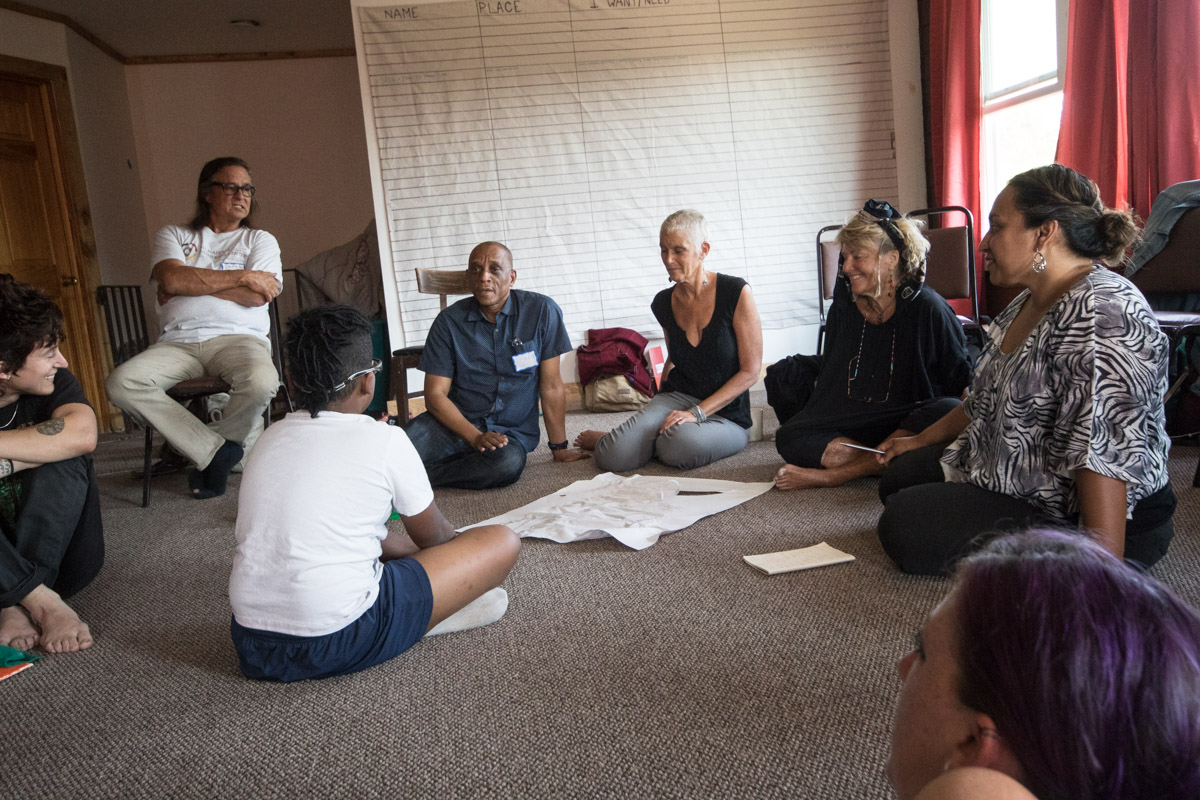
(524, 361)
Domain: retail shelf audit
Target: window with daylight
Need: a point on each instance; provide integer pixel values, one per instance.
(1024, 56)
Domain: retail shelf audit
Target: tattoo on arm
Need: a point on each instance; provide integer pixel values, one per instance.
(51, 427)
(6, 467)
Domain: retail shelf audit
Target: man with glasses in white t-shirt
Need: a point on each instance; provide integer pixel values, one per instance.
(214, 278)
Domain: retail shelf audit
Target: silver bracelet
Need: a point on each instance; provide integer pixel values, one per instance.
(698, 413)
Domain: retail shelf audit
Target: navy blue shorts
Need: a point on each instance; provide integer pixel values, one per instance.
(397, 621)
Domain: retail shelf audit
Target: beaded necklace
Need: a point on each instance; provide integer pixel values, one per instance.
(852, 367)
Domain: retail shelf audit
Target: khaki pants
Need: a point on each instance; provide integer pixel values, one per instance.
(244, 362)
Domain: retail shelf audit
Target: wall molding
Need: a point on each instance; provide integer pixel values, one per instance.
(191, 58)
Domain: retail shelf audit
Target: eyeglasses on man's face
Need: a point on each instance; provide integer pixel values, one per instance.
(232, 188)
(376, 366)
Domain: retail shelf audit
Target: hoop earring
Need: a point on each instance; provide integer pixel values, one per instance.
(1039, 262)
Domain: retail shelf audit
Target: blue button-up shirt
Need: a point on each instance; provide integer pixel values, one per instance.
(494, 367)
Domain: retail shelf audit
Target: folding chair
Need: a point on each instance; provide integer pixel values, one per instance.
(828, 254)
(443, 283)
(950, 265)
(1175, 270)
(125, 315)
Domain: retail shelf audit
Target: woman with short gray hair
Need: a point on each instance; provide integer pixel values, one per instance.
(714, 343)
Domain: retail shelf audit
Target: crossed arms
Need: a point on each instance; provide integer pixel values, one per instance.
(246, 287)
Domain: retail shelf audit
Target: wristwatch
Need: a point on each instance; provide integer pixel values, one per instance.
(557, 445)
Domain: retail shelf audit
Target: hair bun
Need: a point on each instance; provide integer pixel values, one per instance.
(1117, 230)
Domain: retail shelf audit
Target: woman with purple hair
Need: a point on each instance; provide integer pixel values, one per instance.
(1051, 670)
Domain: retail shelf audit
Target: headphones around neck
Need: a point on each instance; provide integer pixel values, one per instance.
(885, 214)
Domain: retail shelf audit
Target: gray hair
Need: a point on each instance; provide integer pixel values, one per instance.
(690, 223)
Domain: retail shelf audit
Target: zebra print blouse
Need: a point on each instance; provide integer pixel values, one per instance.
(1084, 390)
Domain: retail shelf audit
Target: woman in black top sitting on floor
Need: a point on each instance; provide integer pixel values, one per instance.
(895, 358)
(714, 344)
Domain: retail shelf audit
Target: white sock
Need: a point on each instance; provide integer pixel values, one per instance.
(483, 610)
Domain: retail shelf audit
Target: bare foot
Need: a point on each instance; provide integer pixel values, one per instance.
(789, 477)
(62, 629)
(587, 440)
(836, 455)
(17, 629)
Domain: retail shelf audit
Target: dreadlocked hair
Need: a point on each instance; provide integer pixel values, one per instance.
(28, 320)
(324, 345)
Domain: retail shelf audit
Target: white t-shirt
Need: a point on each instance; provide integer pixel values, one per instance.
(198, 319)
(312, 512)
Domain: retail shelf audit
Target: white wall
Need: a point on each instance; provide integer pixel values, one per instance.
(297, 122)
(906, 103)
(36, 39)
(110, 165)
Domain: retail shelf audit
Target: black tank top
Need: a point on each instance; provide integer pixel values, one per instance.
(701, 370)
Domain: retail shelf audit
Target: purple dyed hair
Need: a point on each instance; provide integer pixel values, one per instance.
(1090, 669)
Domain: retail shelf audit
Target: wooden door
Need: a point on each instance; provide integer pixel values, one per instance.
(40, 225)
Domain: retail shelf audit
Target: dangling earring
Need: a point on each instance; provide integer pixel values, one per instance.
(1039, 262)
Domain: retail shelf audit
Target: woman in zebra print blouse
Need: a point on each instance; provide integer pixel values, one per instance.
(1063, 422)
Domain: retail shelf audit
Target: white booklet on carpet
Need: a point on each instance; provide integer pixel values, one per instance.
(819, 555)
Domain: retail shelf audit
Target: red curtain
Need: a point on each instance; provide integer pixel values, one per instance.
(1164, 97)
(1131, 97)
(955, 104)
(1094, 135)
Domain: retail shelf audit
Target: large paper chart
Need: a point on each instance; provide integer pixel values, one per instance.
(570, 128)
(635, 510)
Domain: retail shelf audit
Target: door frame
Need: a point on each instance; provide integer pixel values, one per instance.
(84, 266)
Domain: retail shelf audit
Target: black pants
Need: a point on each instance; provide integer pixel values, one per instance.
(802, 440)
(928, 523)
(450, 461)
(57, 538)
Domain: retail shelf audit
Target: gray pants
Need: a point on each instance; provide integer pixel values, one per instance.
(244, 362)
(636, 440)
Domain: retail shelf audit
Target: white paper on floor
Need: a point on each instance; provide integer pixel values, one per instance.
(635, 510)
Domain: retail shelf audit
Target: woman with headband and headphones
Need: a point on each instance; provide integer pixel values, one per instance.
(895, 358)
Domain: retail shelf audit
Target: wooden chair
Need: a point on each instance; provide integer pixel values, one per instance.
(443, 283)
(125, 315)
(1175, 270)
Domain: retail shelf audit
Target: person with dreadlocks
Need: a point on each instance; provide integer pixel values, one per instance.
(895, 359)
(53, 541)
(320, 586)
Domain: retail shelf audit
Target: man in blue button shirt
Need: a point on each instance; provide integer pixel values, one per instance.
(487, 360)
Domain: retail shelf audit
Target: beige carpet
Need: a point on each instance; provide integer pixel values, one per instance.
(674, 672)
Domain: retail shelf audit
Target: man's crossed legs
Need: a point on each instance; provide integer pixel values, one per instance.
(139, 386)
